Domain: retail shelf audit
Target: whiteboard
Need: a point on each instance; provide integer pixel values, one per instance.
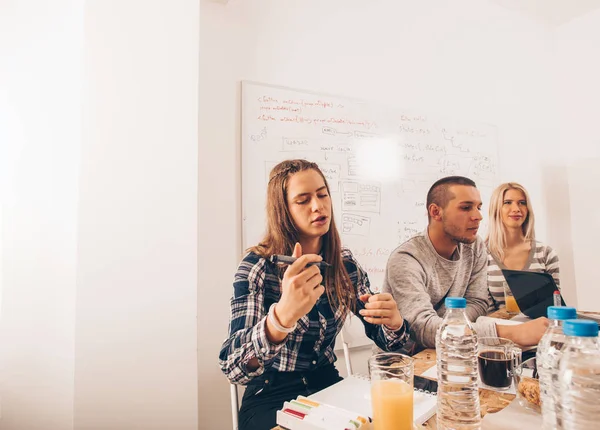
(379, 162)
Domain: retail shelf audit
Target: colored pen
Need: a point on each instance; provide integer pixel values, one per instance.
(285, 259)
(557, 301)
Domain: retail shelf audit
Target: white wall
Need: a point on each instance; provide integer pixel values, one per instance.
(576, 91)
(584, 189)
(578, 87)
(135, 343)
(41, 46)
(467, 59)
(578, 100)
(99, 176)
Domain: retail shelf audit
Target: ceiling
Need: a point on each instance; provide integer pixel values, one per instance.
(553, 12)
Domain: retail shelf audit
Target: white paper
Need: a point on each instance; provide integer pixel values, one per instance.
(512, 417)
(504, 322)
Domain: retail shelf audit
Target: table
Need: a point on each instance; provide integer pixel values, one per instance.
(491, 401)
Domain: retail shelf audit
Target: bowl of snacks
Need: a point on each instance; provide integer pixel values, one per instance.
(527, 385)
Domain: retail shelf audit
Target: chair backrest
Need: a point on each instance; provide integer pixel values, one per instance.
(233, 389)
(346, 354)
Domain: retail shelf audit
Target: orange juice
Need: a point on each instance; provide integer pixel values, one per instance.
(392, 401)
(511, 305)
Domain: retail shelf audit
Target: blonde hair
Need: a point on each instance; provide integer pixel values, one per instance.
(496, 238)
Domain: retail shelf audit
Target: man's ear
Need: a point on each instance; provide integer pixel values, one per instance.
(435, 212)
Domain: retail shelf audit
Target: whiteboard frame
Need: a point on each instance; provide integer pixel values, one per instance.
(352, 341)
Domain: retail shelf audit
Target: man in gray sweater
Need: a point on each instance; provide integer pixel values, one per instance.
(448, 259)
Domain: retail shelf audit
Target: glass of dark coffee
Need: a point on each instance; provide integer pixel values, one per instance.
(497, 359)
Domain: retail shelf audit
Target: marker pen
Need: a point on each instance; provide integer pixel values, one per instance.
(285, 259)
(557, 301)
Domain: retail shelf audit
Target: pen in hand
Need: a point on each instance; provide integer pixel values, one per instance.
(285, 259)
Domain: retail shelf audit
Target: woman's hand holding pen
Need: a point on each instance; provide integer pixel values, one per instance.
(381, 309)
(301, 288)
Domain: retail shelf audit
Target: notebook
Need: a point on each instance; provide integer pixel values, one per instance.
(354, 393)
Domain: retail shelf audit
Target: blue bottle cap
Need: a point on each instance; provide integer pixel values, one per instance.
(562, 313)
(455, 302)
(581, 328)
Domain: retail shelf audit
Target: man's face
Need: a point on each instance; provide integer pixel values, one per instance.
(462, 214)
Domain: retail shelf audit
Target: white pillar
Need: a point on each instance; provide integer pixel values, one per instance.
(135, 354)
(41, 53)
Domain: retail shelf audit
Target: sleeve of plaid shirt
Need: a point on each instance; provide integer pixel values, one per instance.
(384, 338)
(247, 337)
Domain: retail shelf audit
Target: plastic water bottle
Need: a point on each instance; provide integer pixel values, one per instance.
(579, 370)
(456, 350)
(548, 352)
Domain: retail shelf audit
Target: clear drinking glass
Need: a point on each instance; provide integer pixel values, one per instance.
(527, 385)
(511, 303)
(497, 359)
(392, 391)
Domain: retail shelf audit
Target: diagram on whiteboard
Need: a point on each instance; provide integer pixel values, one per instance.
(379, 163)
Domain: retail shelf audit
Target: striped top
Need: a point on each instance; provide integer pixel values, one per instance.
(542, 258)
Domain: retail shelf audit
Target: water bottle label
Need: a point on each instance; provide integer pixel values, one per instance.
(457, 378)
(456, 330)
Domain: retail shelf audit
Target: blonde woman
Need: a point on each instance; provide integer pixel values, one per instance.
(511, 240)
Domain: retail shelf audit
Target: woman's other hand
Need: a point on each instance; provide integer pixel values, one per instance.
(381, 309)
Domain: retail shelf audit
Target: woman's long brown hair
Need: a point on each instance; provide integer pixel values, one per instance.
(282, 235)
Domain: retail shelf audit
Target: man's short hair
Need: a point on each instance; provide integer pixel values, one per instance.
(440, 194)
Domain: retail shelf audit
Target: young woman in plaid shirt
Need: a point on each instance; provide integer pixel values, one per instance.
(284, 321)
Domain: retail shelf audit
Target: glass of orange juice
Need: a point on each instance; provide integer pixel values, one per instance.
(392, 391)
(511, 303)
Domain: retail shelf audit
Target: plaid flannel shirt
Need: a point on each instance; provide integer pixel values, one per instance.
(256, 286)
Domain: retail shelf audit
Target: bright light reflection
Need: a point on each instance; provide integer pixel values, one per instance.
(379, 159)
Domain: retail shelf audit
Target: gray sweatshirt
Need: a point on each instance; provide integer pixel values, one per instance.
(420, 279)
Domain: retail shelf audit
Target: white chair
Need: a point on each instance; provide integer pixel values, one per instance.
(233, 389)
(234, 405)
(346, 353)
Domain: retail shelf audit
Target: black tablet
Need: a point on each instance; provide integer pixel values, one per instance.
(533, 291)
